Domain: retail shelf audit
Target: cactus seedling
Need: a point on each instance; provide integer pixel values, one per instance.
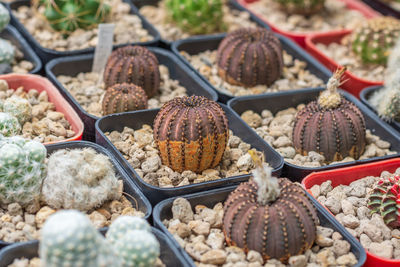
(19, 108)
(302, 7)
(7, 52)
(124, 97)
(9, 125)
(126, 223)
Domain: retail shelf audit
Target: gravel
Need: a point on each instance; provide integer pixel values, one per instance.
(19, 64)
(277, 129)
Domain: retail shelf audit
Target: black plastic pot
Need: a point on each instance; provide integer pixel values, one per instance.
(11, 34)
(83, 63)
(383, 8)
(162, 211)
(47, 54)
(196, 45)
(169, 253)
(284, 100)
(140, 203)
(167, 44)
(155, 194)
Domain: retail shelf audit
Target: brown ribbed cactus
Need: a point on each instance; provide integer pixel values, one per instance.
(271, 216)
(124, 97)
(133, 64)
(250, 57)
(191, 133)
(331, 125)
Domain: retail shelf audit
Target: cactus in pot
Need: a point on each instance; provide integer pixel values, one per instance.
(301, 7)
(19, 108)
(7, 51)
(4, 17)
(9, 125)
(124, 97)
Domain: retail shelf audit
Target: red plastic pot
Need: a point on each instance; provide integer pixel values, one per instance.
(354, 84)
(30, 81)
(299, 37)
(347, 175)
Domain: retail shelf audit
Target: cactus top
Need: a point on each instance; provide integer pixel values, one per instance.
(330, 98)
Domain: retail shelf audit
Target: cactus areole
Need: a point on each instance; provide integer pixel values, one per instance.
(191, 133)
(331, 126)
(271, 216)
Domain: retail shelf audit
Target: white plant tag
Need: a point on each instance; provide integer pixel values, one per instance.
(103, 48)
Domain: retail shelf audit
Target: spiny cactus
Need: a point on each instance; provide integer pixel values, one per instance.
(269, 215)
(191, 133)
(7, 52)
(250, 57)
(302, 7)
(68, 15)
(79, 179)
(4, 17)
(123, 224)
(22, 170)
(9, 125)
(331, 126)
(373, 41)
(19, 108)
(197, 16)
(124, 97)
(133, 64)
(385, 200)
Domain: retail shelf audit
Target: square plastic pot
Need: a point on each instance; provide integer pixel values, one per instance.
(383, 8)
(162, 211)
(169, 253)
(198, 44)
(299, 37)
(11, 34)
(354, 84)
(155, 194)
(345, 176)
(140, 203)
(31, 81)
(167, 44)
(284, 100)
(47, 54)
(83, 63)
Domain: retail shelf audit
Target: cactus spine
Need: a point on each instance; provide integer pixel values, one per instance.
(124, 97)
(9, 125)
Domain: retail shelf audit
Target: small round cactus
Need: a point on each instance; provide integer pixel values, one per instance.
(79, 179)
(4, 17)
(123, 224)
(124, 97)
(191, 133)
(7, 52)
(22, 170)
(9, 125)
(133, 64)
(302, 7)
(250, 57)
(373, 41)
(19, 108)
(197, 16)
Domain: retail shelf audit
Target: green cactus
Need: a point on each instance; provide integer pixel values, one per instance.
(19, 108)
(7, 51)
(197, 16)
(301, 7)
(373, 41)
(123, 224)
(4, 17)
(9, 125)
(22, 170)
(68, 15)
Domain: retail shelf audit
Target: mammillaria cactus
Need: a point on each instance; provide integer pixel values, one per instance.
(133, 64)
(373, 41)
(124, 97)
(191, 133)
(331, 125)
(9, 125)
(384, 200)
(19, 108)
(79, 179)
(4, 17)
(250, 57)
(269, 215)
(7, 52)
(197, 16)
(22, 170)
(68, 15)
(123, 224)
(302, 7)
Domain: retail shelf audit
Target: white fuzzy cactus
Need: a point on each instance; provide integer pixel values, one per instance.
(79, 179)
(9, 125)
(18, 107)
(123, 224)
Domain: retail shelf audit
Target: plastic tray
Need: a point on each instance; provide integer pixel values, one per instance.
(169, 253)
(162, 211)
(141, 204)
(11, 34)
(155, 194)
(167, 44)
(382, 8)
(47, 54)
(31, 81)
(83, 63)
(285, 100)
(300, 37)
(198, 44)
(347, 175)
(354, 84)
